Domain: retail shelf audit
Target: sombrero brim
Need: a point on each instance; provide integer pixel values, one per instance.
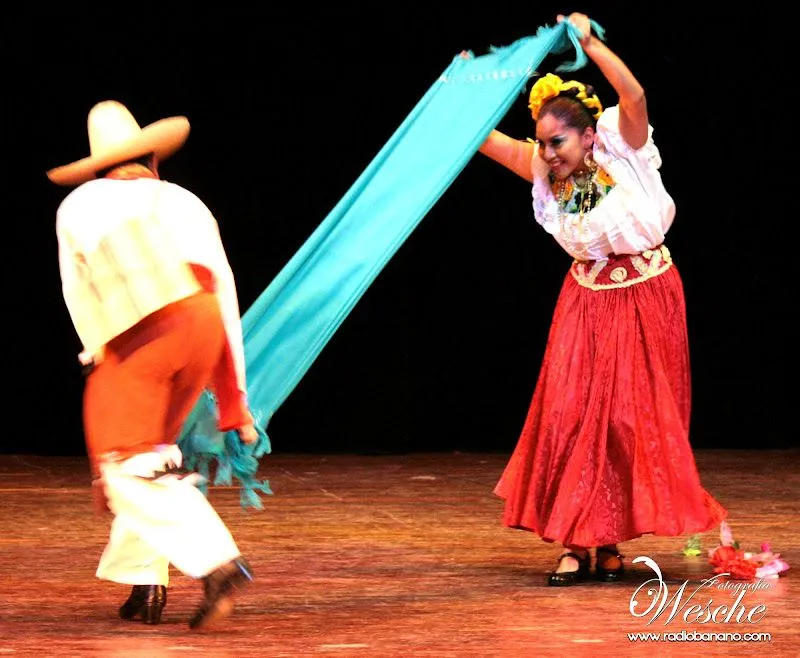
(163, 138)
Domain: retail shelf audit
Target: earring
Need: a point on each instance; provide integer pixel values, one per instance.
(588, 160)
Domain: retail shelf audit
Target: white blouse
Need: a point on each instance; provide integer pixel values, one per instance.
(634, 216)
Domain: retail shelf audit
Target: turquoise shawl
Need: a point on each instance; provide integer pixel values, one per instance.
(294, 318)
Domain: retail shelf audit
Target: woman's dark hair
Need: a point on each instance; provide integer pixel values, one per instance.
(569, 109)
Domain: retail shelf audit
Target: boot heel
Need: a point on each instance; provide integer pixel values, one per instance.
(151, 614)
(219, 587)
(145, 602)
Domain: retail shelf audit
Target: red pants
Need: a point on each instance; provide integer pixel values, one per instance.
(151, 377)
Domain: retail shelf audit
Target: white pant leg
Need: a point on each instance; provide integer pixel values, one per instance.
(130, 561)
(170, 515)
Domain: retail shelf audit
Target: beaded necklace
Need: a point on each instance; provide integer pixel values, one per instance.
(585, 193)
(573, 227)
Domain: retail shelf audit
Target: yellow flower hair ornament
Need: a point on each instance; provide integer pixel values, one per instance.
(550, 86)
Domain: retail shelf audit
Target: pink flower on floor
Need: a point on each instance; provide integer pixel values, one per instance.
(772, 569)
(726, 535)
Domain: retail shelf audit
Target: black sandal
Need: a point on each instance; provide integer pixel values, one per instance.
(564, 578)
(609, 575)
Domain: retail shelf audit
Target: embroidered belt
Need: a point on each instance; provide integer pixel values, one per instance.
(621, 271)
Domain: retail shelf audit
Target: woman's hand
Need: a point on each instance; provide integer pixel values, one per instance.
(581, 22)
(539, 167)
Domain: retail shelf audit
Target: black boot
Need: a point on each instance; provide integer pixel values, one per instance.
(146, 601)
(218, 588)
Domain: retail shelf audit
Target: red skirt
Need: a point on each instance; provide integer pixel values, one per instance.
(604, 454)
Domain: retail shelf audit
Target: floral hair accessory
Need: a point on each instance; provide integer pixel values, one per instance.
(550, 85)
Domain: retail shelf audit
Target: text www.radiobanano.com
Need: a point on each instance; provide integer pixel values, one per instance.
(699, 636)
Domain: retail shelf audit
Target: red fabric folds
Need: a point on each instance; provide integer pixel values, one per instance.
(604, 454)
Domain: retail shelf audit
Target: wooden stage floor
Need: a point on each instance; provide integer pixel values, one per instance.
(391, 555)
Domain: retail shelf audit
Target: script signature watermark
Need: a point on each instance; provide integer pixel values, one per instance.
(713, 600)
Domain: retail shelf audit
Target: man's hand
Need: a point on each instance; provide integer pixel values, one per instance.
(99, 498)
(248, 433)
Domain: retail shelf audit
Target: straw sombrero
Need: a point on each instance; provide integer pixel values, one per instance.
(115, 136)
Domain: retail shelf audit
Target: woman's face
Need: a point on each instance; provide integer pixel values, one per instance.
(563, 147)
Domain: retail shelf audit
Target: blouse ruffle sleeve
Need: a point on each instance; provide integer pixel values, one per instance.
(638, 212)
(545, 206)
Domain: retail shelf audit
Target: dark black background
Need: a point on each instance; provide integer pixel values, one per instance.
(289, 104)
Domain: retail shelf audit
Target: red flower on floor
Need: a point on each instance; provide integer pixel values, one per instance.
(738, 568)
(722, 555)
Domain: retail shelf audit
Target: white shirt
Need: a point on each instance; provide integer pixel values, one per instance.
(633, 217)
(124, 251)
